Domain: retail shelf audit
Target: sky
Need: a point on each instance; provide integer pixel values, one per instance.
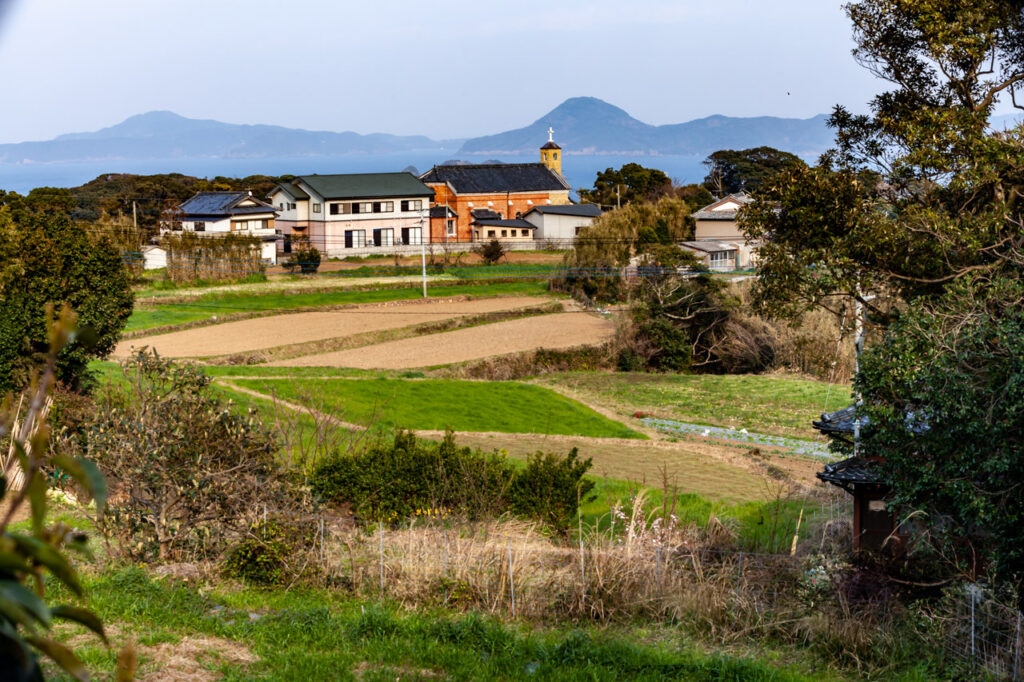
(445, 69)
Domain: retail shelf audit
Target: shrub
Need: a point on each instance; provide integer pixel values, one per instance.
(550, 488)
(189, 472)
(305, 256)
(268, 555)
(392, 481)
(491, 252)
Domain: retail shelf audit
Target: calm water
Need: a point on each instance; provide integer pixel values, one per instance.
(579, 170)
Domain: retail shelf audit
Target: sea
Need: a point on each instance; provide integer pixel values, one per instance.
(579, 170)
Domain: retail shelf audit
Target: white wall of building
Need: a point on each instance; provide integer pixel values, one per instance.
(560, 227)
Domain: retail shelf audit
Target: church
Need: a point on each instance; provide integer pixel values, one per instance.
(468, 198)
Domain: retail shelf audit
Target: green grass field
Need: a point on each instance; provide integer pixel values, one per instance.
(312, 635)
(778, 405)
(438, 404)
(211, 305)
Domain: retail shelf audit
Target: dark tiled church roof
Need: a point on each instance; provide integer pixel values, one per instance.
(490, 178)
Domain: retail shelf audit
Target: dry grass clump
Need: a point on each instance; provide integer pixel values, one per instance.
(643, 563)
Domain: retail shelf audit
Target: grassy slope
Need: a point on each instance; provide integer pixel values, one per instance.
(779, 405)
(325, 635)
(438, 404)
(205, 307)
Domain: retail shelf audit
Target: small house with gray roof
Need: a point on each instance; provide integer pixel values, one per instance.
(339, 213)
(717, 222)
(218, 213)
(561, 224)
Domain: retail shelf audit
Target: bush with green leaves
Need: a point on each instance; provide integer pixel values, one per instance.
(490, 252)
(190, 471)
(393, 480)
(551, 488)
(305, 257)
(271, 553)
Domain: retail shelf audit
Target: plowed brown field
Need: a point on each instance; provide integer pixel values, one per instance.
(560, 330)
(278, 330)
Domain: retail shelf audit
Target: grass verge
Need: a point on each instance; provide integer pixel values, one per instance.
(225, 305)
(779, 405)
(323, 634)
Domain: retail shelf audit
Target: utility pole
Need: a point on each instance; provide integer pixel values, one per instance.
(135, 216)
(618, 196)
(423, 252)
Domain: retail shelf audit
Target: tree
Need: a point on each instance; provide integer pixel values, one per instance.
(49, 260)
(945, 399)
(731, 171)
(630, 183)
(921, 192)
(680, 312)
(920, 204)
(617, 236)
(490, 252)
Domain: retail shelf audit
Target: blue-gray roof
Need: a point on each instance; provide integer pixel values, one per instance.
(489, 222)
(223, 203)
(581, 210)
(486, 178)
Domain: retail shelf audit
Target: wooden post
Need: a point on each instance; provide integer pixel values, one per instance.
(381, 544)
(796, 535)
(1016, 649)
(511, 582)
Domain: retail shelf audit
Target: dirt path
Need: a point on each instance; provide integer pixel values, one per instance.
(562, 330)
(278, 330)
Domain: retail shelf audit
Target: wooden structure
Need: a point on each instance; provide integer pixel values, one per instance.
(874, 524)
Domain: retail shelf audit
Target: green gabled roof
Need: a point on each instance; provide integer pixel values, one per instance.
(291, 190)
(367, 186)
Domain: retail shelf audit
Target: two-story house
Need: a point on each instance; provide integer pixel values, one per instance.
(217, 213)
(339, 213)
(718, 238)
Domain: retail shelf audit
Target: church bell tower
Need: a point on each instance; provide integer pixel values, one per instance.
(551, 153)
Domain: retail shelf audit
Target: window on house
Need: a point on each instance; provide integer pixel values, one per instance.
(364, 207)
(316, 208)
(723, 260)
(451, 227)
(526, 233)
(490, 233)
(412, 204)
(383, 207)
(504, 233)
(280, 206)
(355, 239)
(555, 156)
(291, 207)
(199, 227)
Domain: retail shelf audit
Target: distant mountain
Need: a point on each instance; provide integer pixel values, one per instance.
(583, 125)
(587, 125)
(166, 135)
